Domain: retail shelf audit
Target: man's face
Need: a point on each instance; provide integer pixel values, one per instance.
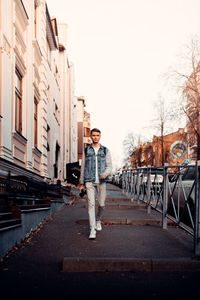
(95, 136)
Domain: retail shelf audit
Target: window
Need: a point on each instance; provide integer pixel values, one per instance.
(35, 20)
(86, 132)
(57, 74)
(35, 122)
(18, 102)
(57, 113)
(85, 145)
(57, 156)
(48, 138)
(48, 53)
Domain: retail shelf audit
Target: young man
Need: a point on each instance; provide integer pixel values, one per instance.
(96, 166)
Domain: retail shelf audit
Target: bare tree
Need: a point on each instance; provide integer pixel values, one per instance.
(136, 157)
(134, 150)
(148, 154)
(128, 145)
(160, 123)
(186, 79)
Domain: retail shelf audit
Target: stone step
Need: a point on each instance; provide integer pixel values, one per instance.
(5, 216)
(10, 227)
(121, 206)
(113, 264)
(33, 206)
(113, 190)
(112, 199)
(3, 204)
(10, 222)
(125, 221)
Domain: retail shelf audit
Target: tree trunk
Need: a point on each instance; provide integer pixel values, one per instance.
(162, 143)
(198, 147)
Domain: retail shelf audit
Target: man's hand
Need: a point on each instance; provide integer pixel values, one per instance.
(103, 176)
(82, 187)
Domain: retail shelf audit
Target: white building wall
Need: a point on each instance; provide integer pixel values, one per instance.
(73, 117)
(28, 86)
(63, 65)
(7, 57)
(44, 105)
(51, 83)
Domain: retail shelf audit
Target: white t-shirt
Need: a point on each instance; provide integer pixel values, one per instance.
(96, 156)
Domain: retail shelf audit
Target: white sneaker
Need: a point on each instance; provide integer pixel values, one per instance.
(98, 226)
(92, 235)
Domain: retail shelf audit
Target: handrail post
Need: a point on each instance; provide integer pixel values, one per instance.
(148, 190)
(138, 186)
(165, 197)
(132, 185)
(123, 182)
(127, 183)
(197, 212)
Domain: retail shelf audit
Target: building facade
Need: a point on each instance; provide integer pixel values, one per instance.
(174, 149)
(171, 148)
(38, 113)
(86, 128)
(192, 115)
(83, 127)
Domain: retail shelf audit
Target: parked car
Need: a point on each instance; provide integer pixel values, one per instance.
(156, 178)
(156, 175)
(117, 179)
(182, 193)
(110, 179)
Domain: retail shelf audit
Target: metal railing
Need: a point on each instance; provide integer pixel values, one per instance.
(173, 191)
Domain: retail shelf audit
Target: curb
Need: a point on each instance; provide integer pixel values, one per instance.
(122, 206)
(109, 199)
(104, 264)
(124, 222)
(110, 264)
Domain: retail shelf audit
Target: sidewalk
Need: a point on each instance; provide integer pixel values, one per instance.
(132, 251)
(131, 240)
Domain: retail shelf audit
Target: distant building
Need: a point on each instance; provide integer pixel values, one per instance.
(87, 128)
(192, 92)
(173, 151)
(175, 148)
(83, 126)
(80, 125)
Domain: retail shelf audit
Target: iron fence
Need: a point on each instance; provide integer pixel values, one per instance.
(173, 191)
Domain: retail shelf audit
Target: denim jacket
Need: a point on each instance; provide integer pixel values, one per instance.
(88, 165)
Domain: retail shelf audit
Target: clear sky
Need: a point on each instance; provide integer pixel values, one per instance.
(120, 49)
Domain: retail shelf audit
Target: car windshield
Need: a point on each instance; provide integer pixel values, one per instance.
(189, 173)
(157, 171)
(153, 171)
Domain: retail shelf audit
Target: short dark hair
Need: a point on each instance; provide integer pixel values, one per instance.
(95, 130)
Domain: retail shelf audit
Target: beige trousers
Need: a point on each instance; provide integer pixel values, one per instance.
(93, 190)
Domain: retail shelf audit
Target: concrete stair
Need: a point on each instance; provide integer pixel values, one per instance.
(121, 210)
(7, 221)
(132, 240)
(3, 203)
(10, 215)
(117, 264)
